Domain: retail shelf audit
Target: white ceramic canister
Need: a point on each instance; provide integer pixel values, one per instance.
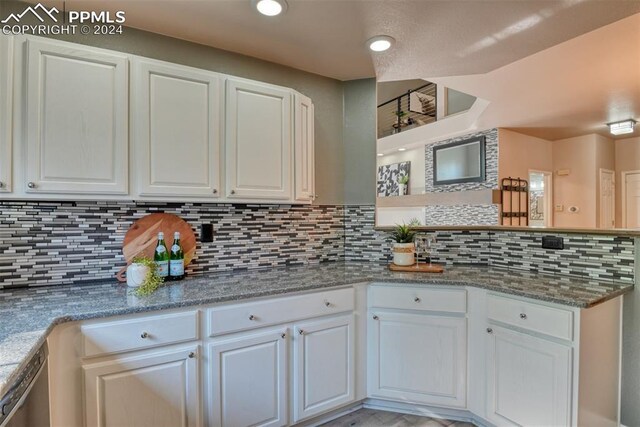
(136, 273)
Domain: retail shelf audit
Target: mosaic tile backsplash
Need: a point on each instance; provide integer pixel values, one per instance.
(585, 256)
(61, 242)
(48, 243)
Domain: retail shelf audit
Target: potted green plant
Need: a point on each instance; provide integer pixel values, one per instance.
(403, 180)
(403, 246)
(142, 274)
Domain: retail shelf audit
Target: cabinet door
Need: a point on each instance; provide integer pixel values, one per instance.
(528, 380)
(418, 358)
(177, 130)
(157, 389)
(248, 380)
(77, 119)
(304, 149)
(6, 109)
(324, 374)
(258, 141)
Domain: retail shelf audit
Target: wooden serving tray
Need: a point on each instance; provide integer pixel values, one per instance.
(418, 268)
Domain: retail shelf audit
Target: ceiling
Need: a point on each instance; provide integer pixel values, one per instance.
(571, 89)
(327, 37)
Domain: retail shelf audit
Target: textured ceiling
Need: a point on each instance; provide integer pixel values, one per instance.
(327, 37)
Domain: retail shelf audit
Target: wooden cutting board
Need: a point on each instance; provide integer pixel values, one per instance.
(418, 268)
(142, 237)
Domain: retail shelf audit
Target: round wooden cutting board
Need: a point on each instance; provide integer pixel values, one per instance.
(142, 237)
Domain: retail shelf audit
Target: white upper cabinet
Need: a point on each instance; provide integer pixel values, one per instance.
(6, 107)
(76, 119)
(258, 141)
(176, 130)
(304, 149)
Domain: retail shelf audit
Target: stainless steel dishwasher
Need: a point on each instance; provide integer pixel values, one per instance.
(26, 403)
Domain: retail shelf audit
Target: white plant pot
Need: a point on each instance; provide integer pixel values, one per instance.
(402, 189)
(403, 254)
(136, 273)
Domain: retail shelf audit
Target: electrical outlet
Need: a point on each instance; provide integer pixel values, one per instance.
(206, 233)
(552, 242)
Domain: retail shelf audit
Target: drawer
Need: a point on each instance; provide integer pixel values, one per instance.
(139, 333)
(419, 298)
(551, 321)
(225, 319)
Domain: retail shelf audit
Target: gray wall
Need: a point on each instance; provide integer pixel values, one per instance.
(360, 141)
(630, 415)
(326, 93)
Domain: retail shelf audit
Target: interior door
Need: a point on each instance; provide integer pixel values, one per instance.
(632, 200)
(607, 199)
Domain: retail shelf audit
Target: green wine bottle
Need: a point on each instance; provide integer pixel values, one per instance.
(176, 259)
(161, 257)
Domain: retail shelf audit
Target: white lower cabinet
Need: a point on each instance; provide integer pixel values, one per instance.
(159, 388)
(528, 379)
(419, 358)
(248, 380)
(323, 366)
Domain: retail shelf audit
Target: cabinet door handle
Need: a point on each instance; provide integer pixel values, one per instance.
(252, 317)
(192, 355)
(233, 191)
(1, 184)
(31, 184)
(489, 330)
(523, 316)
(215, 191)
(327, 303)
(375, 317)
(416, 299)
(301, 332)
(144, 335)
(283, 336)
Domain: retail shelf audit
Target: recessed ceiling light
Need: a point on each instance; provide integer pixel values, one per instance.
(270, 7)
(622, 127)
(380, 43)
(380, 154)
(402, 149)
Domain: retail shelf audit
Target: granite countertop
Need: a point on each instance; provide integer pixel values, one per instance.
(28, 315)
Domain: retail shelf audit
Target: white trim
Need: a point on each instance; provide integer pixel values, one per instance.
(613, 174)
(623, 186)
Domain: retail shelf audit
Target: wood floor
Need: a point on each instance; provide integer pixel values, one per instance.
(374, 418)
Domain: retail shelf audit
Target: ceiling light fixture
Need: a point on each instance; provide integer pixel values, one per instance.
(380, 154)
(270, 7)
(622, 127)
(380, 43)
(402, 149)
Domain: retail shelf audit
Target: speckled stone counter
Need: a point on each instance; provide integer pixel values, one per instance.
(28, 315)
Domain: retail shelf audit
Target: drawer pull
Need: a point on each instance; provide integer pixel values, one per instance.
(416, 299)
(375, 317)
(301, 332)
(144, 335)
(31, 184)
(252, 317)
(523, 316)
(327, 303)
(489, 330)
(192, 355)
(283, 336)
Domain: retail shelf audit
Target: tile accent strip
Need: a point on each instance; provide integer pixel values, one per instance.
(50, 243)
(60, 242)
